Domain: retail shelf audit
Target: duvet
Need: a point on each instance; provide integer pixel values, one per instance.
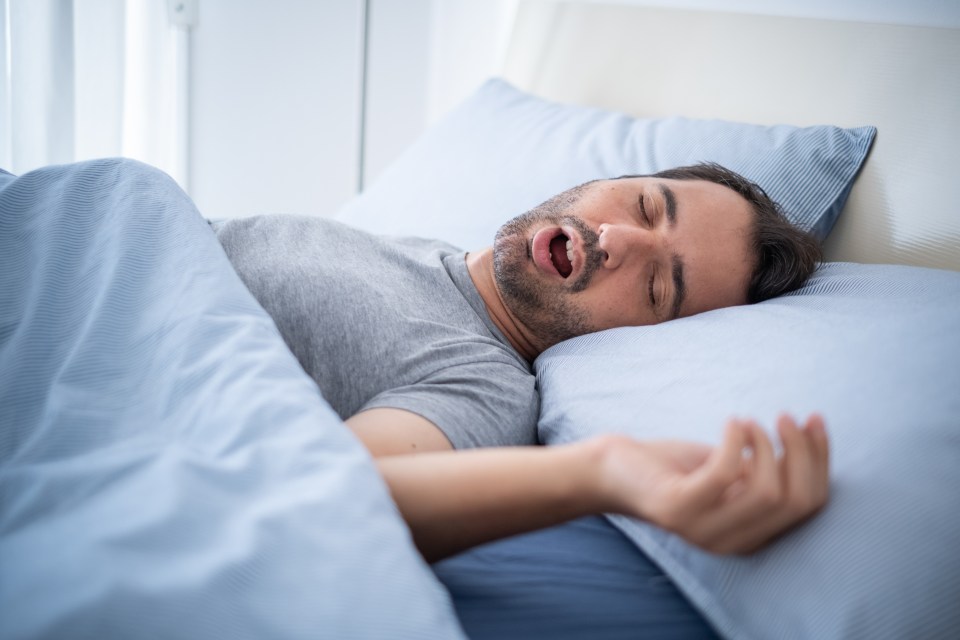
(166, 467)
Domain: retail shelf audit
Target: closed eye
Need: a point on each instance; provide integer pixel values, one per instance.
(653, 300)
(643, 212)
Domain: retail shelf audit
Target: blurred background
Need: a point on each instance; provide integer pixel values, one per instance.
(280, 106)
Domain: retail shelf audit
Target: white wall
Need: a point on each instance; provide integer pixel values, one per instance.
(398, 55)
(274, 106)
(275, 87)
(468, 43)
(275, 101)
(274, 112)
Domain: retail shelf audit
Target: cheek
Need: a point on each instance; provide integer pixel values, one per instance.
(614, 308)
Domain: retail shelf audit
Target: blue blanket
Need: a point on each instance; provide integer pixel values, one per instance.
(166, 467)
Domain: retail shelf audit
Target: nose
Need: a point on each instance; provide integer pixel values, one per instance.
(623, 243)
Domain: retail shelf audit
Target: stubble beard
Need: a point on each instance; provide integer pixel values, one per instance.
(545, 308)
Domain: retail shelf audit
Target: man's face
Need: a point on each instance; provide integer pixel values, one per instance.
(633, 251)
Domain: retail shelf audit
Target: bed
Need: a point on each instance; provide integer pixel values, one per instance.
(167, 470)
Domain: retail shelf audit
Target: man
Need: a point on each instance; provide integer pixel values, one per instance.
(423, 349)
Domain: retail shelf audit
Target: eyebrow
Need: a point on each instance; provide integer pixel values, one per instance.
(679, 287)
(671, 201)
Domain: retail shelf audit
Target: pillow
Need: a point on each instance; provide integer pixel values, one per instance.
(167, 469)
(876, 350)
(503, 151)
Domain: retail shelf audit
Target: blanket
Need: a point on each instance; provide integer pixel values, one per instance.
(166, 467)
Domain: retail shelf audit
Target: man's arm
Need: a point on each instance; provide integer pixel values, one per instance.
(391, 432)
(732, 498)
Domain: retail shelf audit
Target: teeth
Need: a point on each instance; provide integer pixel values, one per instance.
(570, 251)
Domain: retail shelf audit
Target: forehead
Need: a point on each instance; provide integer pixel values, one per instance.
(696, 193)
(700, 201)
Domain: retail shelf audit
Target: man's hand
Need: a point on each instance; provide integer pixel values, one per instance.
(733, 498)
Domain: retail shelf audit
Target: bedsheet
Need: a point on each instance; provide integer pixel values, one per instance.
(166, 467)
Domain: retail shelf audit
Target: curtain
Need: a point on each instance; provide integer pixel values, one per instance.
(93, 78)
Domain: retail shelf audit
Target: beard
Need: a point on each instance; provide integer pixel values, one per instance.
(548, 309)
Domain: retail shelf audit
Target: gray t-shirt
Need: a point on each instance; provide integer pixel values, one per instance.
(387, 322)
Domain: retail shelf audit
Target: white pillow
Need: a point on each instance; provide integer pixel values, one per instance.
(876, 350)
(504, 151)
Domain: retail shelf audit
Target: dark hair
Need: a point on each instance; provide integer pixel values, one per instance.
(785, 255)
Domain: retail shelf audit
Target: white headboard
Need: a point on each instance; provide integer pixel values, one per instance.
(651, 62)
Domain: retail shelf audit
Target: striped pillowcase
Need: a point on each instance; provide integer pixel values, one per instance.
(809, 171)
(504, 151)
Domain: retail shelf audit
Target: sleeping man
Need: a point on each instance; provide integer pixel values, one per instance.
(425, 351)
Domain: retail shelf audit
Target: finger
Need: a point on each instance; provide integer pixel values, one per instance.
(756, 503)
(763, 480)
(761, 532)
(798, 465)
(706, 484)
(817, 434)
(817, 429)
(804, 491)
(767, 484)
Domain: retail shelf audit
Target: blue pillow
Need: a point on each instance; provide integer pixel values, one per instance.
(167, 469)
(504, 151)
(876, 350)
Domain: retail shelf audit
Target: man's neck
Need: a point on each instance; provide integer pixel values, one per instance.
(480, 268)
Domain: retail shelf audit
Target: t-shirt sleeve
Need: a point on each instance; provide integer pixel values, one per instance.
(483, 404)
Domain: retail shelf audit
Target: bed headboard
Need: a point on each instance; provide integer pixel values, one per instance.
(653, 62)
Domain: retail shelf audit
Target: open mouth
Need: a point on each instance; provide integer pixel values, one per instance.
(554, 251)
(561, 254)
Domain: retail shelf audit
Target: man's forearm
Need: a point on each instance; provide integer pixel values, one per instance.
(732, 498)
(455, 500)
